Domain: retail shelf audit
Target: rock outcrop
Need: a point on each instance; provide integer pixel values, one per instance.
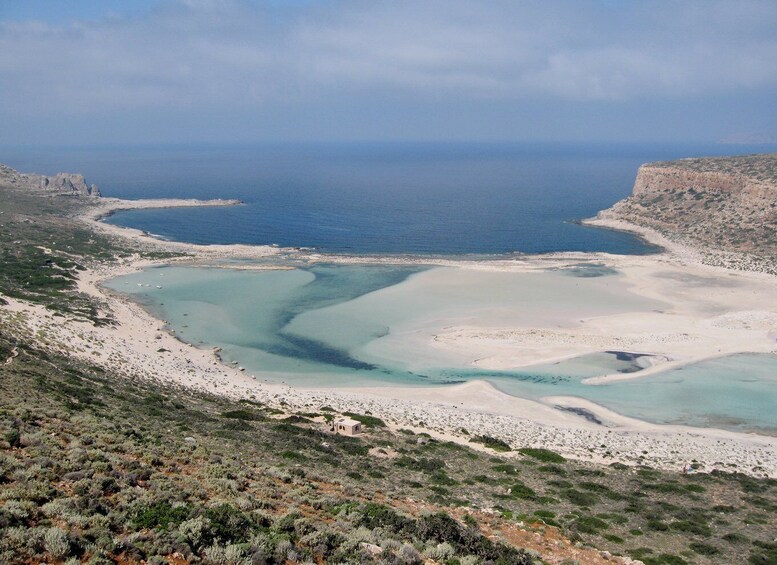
(717, 203)
(61, 183)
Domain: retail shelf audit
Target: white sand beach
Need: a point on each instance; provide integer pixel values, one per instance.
(705, 312)
(102, 208)
(708, 312)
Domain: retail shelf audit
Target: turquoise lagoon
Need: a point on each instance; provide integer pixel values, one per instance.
(354, 325)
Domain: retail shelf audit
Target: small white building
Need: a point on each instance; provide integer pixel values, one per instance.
(347, 426)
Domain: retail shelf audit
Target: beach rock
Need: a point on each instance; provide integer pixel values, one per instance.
(371, 548)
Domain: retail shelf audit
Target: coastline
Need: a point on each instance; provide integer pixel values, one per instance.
(140, 347)
(93, 214)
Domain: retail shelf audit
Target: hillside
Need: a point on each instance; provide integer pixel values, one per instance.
(726, 204)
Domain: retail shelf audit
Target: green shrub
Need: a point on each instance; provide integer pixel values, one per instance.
(665, 559)
(640, 553)
(692, 527)
(734, 537)
(520, 490)
(237, 426)
(248, 415)
(589, 524)
(703, 548)
(370, 421)
(593, 487)
(506, 469)
(579, 498)
(13, 436)
(494, 443)
(657, 525)
(424, 465)
(695, 488)
(160, 515)
(440, 477)
(227, 524)
(380, 516)
(554, 469)
(763, 553)
(541, 454)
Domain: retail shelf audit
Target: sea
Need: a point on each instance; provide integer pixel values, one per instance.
(375, 198)
(344, 325)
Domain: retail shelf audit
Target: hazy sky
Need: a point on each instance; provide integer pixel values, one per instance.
(111, 71)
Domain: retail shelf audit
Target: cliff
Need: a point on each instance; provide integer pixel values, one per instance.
(61, 183)
(716, 203)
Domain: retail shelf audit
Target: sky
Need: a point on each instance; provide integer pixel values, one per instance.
(187, 71)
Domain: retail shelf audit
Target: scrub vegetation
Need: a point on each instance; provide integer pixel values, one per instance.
(761, 167)
(43, 249)
(99, 468)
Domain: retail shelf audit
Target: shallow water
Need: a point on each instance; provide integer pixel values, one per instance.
(738, 392)
(246, 313)
(335, 325)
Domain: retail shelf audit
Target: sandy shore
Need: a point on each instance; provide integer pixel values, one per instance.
(701, 313)
(102, 208)
(737, 319)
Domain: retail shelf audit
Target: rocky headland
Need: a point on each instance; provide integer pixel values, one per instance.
(71, 184)
(725, 207)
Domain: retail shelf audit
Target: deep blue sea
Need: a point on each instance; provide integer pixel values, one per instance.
(392, 198)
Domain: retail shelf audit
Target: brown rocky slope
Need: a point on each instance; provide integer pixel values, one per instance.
(725, 204)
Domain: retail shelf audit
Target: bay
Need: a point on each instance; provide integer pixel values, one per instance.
(375, 198)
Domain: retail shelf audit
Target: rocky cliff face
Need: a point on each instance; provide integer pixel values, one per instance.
(61, 183)
(725, 203)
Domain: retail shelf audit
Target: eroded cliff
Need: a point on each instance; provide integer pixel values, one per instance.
(61, 183)
(717, 203)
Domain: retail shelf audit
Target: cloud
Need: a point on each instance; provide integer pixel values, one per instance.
(564, 51)
(201, 53)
